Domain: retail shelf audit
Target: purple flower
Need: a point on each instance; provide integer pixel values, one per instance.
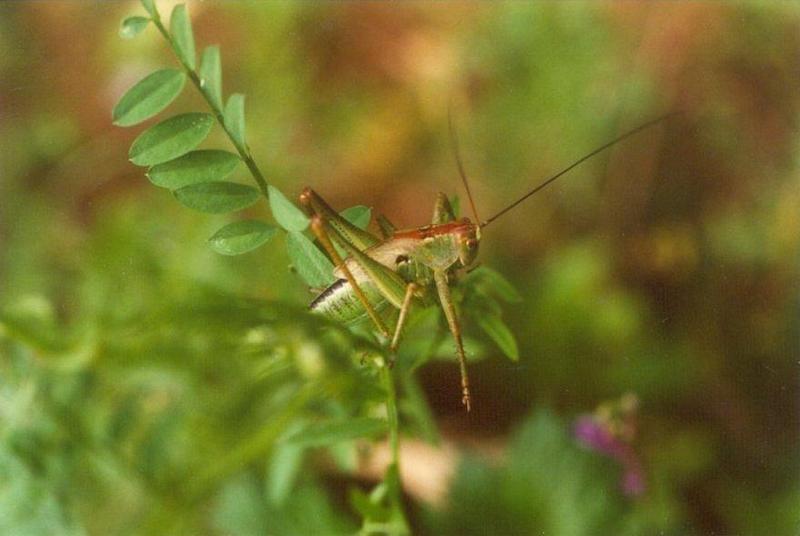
(601, 433)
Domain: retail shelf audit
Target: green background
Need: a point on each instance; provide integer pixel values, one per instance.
(146, 382)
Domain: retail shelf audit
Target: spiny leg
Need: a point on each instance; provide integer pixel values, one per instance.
(318, 228)
(315, 204)
(401, 319)
(440, 277)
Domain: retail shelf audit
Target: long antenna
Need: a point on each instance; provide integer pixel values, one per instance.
(577, 163)
(459, 163)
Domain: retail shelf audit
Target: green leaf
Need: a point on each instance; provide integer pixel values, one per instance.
(211, 75)
(495, 283)
(241, 236)
(180, 27)
(170, 139)
(284, 468)
(148, 97)
(234, 118)
(194, 167)
(358, 215)
(314, 267)
(217, 197)
(150, 7)
(416, 407)
(285, 212)
(496, 329)
(369, 510)
(331, 432)
(133, 26)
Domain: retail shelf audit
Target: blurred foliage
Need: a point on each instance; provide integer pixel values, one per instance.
(547, 486)
(151, 386)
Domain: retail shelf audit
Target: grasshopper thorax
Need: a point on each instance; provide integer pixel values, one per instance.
(443, 244)
(467, 238)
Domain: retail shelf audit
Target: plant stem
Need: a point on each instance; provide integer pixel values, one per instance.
(393, 471)
(242, 149)
(391, 415)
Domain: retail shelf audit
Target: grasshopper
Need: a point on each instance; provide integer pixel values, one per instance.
(402, 267)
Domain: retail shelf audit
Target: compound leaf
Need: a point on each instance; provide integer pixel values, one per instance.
(234, 117)
(241, 236)
(358, 215)
(180, 27)
(133, 26)
(285, 212)
(211, 75)
(194, 167)
(217, 197)
(170, 139)
(314, 267)
(149, 96)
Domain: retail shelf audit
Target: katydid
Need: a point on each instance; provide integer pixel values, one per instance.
(406, 266)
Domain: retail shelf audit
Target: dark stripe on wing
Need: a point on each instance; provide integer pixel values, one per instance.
(339, 283)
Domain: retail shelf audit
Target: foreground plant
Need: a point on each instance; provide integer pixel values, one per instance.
(395, 279)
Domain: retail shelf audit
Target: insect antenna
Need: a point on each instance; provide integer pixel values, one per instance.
(460, 163)
(577, 163)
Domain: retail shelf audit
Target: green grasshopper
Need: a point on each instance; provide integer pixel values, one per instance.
(406, 266)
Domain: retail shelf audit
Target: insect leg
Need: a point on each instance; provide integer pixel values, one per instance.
(387, 281)
(401, 319)
(318, 228)
(315, 204)
(440, 277)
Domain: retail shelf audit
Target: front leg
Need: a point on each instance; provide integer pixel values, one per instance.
(440, 277)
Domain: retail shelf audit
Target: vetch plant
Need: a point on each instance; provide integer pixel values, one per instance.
(414, 281)
(197, 179)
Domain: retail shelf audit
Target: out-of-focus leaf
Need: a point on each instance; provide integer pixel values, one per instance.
(217, 197)
(150, 7)
(193, 168)
(546, 486)
(474, 348)
(369, 509)
(495, 283)
(148, 96)
(211, 75)
(285, 212)
(133, 26)
(319, 435)
(180, 27)
(496, 329)
(234, 117)
(418, 410)
(314, 267)
(239, 509)
(284, 467)
(241, 236)
(358, 215)
(170, 139)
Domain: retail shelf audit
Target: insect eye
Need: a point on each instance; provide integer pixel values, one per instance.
(401, 259)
